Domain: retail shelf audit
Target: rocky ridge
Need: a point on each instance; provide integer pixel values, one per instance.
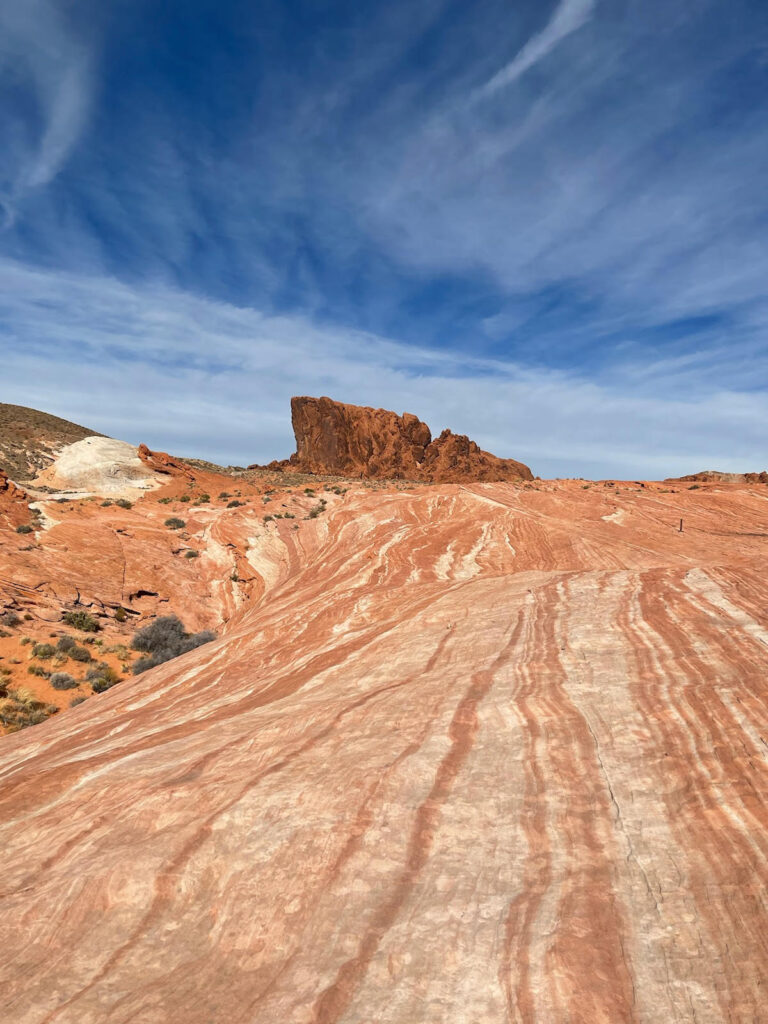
(30, 440)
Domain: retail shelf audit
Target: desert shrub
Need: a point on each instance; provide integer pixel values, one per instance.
(185, 498)
(102, 678)
(316, 511)
(269, 519)
(174, 523)
(191, 554)
(38, 670)
(24, 528)
(65, 644)
(63, 681)
(83, 621)
(10, 619)
(106, 503)
(164, 501)
(121, 615)
(309, 492)
(81, 654)
(4, 633)
(124, 503)
(43, 651)
(203, 499)
(20, 709)
(25, 640)
(76, 700)
(694, 487)
(235, 503)
(223, 495)
(164, 639)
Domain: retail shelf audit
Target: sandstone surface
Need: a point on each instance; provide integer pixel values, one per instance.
(356, 441)
(99, 465)
(464, 753)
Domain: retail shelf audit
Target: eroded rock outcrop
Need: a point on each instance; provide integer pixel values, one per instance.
(353, 440)
(9, 492)
(714, 476)
(162, 462)
(99, 465)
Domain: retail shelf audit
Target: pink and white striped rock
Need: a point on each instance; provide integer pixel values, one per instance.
(475, 754)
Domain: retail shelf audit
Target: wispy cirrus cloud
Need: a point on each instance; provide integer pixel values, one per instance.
(569, 16)
(47, 67)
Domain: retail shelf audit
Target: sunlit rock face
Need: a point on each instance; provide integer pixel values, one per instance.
(486, 753)
(353, 440)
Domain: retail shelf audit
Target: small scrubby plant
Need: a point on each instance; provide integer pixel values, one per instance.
(164, 639)
(10, 619)
(124, 503)
(24, 528)
(102, 678)
(191, 553)
(174, 523)
(43, 651)
(83, 621)
(63, 681)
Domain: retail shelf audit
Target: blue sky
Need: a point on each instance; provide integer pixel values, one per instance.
(540, 223)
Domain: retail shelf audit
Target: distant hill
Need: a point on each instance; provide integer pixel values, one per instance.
(30, 439)
(711, 476)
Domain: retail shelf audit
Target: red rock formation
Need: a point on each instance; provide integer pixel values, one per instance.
(9, 492)
(353, 440)
(711, 476)
(162, 462)
(13, 502)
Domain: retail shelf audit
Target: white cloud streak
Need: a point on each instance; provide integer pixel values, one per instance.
(40, 52)
(569, 16)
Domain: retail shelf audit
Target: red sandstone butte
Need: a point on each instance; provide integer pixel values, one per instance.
(353, 440)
